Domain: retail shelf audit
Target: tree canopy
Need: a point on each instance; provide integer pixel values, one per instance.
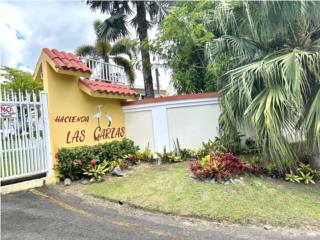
(141, 15)
(182, 45)
(17, 79)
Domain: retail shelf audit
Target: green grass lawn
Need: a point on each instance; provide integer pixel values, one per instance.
(169, 188)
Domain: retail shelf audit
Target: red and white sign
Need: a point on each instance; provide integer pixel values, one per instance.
(8, 110)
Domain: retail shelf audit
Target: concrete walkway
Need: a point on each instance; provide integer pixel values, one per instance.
(47, 213)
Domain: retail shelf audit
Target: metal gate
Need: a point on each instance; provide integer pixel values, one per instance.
(24, 135)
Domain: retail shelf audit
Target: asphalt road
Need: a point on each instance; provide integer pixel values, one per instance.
(48, 214)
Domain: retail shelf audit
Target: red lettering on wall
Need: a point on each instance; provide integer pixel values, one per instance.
(108, 133)
(71, 119)
(77, 136)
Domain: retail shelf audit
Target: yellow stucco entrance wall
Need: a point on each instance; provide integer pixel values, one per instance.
(75, 117)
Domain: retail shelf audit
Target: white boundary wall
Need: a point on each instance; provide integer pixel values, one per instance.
(158, 124)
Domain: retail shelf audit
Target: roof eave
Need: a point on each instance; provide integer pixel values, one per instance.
(97, 94)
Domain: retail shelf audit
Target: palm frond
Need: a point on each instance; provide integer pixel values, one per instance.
(114, 27)
(96, 26)
(125, 46)
(269, 96)
(85, 51)
(312, 120)
(128, 67)
(157, 10)
(110, 7)
(103, 49)
(241, 47)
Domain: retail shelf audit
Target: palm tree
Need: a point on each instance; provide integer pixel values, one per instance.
(123, 52)
(275, 89)
(115, 27)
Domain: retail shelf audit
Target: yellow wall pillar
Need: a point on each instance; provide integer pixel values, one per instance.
(77, 118)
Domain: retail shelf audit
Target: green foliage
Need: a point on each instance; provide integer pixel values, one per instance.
(184, 153)
(19, 80)
(123, 52)
(274, 88)
(141, 15)
(293, 178)
(303, 174)
(72, 161)
(182, 45)
(272, 169)
(231, 144)
(97, 171)
(145, 155)
(169, 156)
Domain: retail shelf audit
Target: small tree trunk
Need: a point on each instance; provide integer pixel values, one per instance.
(144, 49)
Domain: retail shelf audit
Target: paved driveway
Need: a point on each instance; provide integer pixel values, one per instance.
(47, 213)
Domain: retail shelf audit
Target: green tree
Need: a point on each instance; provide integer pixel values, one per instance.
(104, 50)
(17, 79)
(115, 27)
(182, 45)
(275, 88)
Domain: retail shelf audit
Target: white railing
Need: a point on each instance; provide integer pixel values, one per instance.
(24, 135)
(105, 71)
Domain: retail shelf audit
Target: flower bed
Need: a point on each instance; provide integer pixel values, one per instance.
(221, 167)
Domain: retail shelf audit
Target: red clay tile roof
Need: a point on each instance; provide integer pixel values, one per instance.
(173, 98)
(111, 88)
(67, 61)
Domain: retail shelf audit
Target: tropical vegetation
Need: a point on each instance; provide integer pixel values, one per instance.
(275, 87)
(181, 44)
(18, 80)
(123, 52)
(145, 14)
(92, 161)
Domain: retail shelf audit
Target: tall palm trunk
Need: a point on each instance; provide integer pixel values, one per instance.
(142, 29)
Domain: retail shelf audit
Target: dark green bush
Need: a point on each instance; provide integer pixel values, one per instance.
(72, 161)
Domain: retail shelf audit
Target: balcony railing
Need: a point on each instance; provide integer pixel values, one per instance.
(105, 71)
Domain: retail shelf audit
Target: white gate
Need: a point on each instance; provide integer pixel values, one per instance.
(24, 135)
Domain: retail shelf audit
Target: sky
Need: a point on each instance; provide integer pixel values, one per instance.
(28, 26)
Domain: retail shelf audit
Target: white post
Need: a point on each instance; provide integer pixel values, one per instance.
(160, 128)
(46, 129)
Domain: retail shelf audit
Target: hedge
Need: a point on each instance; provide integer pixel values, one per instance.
(68, 159)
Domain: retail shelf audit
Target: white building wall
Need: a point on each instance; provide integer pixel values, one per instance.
(192, 121)
(193, 125)
(139, 127)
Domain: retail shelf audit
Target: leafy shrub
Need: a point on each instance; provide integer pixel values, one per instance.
(169, 157)
(303, 174)
(145, 155)
(96, 171)
(217, 145)
(183, 153)
(128, 160)
(72, 161)
(278, 170)
(221, 166)
(227, 144)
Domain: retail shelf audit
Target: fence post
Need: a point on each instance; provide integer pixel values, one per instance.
(44, 105)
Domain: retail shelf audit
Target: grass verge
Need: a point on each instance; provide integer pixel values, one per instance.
(170, 189)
